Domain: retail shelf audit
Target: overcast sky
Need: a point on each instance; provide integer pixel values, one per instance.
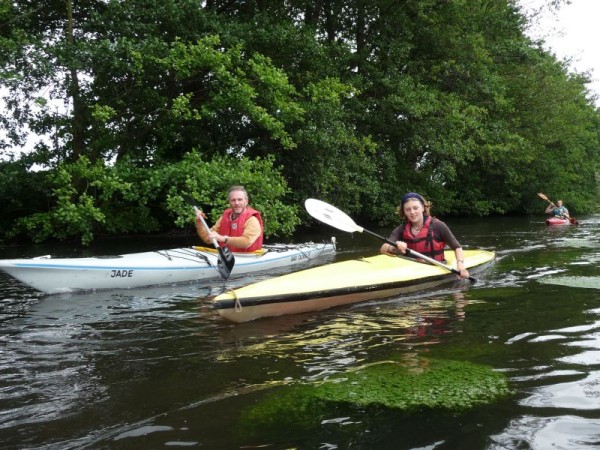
(572, 32)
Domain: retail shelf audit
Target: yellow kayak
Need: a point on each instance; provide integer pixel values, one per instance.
(340, 283)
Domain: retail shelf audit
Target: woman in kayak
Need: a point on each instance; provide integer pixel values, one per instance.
(423, 233)
(240, 227)
(558, 210)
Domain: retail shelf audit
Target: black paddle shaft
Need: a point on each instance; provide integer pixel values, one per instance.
(225, 260)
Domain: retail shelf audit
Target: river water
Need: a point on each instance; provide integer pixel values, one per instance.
(157, 368)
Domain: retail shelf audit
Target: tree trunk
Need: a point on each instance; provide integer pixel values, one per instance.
(78, 119)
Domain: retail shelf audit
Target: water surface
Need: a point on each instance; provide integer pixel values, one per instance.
(157, 368)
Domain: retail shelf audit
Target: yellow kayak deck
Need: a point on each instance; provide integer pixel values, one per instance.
(339, 283)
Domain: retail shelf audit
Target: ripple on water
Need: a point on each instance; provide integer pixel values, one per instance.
(559, 432)
(592, 342)
(580, 328)
(571, 281)
(582, 395)
(579, 243)
(588, 358)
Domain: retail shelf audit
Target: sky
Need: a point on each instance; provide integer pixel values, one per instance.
(572, 32)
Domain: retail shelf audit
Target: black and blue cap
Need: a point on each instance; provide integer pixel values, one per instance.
(412, 196)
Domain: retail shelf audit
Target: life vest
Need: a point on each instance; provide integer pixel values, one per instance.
(425, 241)
(235, 228)
(560, 212)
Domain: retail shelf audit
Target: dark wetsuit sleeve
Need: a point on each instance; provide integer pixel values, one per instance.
(396, 234)
(442, 231)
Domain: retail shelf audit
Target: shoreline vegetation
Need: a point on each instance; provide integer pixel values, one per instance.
(136, 105)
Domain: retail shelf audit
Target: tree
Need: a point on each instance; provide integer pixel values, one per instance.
(351, 101)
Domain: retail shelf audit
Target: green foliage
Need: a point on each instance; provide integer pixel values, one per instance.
(337, 164)
(354, 103)
(430, 385)
(252, 90)
(439, 384)
(21, 193)
(207, 184)
(74, 213)
(89, 198)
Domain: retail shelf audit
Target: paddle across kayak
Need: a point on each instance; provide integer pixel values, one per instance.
(57, 275)
(553, 221)
(340, 283)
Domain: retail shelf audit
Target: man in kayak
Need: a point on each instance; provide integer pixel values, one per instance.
(558, 210)
(240, 227)
(423, 233)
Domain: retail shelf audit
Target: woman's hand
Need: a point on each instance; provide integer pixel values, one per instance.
(464, 273)
(401, 246)
(460, 264)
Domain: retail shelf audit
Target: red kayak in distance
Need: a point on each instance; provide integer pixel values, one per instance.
(554, 221)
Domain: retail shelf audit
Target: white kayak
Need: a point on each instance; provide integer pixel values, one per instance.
(58, 275)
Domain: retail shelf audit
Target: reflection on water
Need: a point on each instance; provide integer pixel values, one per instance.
(576, 282)
(156, 368)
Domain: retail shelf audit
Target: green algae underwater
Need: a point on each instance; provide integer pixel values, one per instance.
(426, 385)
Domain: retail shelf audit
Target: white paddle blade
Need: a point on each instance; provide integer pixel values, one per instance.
(330, 215)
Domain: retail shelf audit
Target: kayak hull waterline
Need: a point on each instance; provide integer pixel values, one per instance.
(339, 284)
(178, 265)
(557, 221)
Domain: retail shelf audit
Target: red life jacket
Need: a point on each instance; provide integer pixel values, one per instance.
(425, 242)
(235, 228)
